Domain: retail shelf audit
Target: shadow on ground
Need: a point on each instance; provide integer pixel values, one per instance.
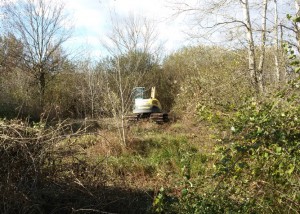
(72, 198)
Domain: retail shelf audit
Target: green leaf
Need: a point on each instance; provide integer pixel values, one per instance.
(295, 63)
(278, 149)
(297, 19)
(292, 57)
(184, 192)
(291, 169)
(259, 130)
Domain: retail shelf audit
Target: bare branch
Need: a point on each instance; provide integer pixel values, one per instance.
(42, 27)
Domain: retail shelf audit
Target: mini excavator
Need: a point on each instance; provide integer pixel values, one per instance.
(146, 108)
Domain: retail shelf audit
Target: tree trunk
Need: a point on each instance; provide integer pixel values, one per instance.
(123, 111)
(251, 47)
(262, 48)
(283, 71)
(296, 25)
(278, 75)
(42, 83)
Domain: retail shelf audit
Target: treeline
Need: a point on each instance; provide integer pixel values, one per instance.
(40, 79)
(79, 89)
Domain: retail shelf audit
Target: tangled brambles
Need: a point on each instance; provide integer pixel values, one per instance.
(24, 152)
(50, 170)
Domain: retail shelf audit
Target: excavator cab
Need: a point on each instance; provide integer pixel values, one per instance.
(138, 92)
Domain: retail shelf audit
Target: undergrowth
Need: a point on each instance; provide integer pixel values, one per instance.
(256, 163)
(50, 169)
(241, 160)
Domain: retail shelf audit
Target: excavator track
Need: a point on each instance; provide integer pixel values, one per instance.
(158, 118)
(132, 118)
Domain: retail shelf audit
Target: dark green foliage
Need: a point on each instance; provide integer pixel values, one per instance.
(257, 155)
(259, 166)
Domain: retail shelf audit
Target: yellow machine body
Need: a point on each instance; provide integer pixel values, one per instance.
(151, 105)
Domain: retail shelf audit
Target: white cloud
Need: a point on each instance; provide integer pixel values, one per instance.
(86, 13)
(91, 19)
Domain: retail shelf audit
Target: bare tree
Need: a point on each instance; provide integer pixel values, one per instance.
(131, 44)
(220, 23)
(43, 27)
(90, 88)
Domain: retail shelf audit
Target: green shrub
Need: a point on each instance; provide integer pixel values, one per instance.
(259, 167)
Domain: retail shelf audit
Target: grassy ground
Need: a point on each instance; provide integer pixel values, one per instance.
(153, 158)
(89, 171)
(82, 167)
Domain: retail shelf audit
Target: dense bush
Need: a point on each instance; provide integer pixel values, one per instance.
(260, 162)
(257, 170)
(204, 76)
(257, 165)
